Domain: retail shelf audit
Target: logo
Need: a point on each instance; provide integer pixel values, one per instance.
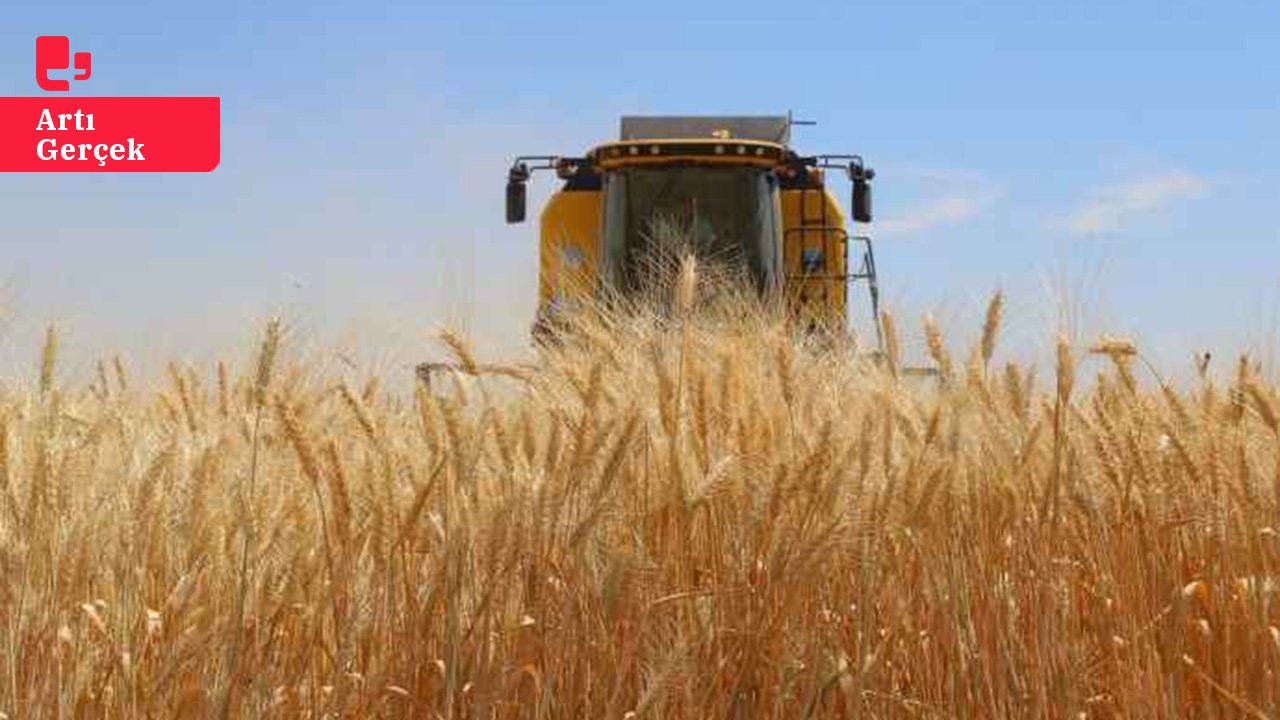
(70, 133)
(53, 52)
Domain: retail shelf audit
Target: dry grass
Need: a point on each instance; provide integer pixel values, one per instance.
(686, 516)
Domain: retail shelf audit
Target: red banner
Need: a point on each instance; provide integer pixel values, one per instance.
(109, 134)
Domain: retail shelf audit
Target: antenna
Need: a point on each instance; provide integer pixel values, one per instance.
(792, 122)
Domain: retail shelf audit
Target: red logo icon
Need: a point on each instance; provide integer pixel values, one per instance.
(53, 52)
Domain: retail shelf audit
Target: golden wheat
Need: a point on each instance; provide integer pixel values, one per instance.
(706, 518)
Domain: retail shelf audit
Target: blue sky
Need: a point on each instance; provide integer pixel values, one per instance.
(1113, 166)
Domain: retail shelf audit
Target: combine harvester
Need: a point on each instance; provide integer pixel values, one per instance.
(736, 189)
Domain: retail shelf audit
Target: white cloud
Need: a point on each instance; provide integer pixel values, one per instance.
(950, 197)
(1114, 207)
(946, 210)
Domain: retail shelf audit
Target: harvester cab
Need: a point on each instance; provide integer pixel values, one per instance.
(730, 189)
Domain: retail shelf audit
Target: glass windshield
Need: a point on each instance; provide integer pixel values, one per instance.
(727, 216)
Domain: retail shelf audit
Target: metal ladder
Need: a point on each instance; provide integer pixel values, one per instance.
(865, 270)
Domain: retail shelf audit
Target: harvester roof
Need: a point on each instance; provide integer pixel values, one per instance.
(773, 129)
(649, 140)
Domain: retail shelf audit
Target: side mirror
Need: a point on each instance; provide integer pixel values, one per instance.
(862, 195)
(515, 201)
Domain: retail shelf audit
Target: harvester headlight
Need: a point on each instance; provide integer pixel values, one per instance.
(634, 150)
(719, 149)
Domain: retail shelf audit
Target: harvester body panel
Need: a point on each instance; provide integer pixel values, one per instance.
(569, 248)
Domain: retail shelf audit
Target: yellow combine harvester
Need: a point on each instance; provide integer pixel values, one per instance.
(734, 187)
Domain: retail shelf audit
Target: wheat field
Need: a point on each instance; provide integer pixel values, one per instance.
(694, 514)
